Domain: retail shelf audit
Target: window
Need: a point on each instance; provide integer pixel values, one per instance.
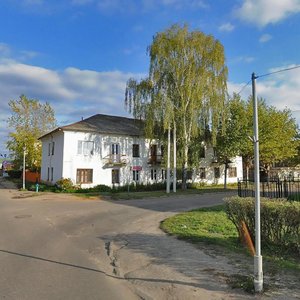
(53, 144)
(135, 175)
(84, 176)
(153, 150)
(202, 152)
(162, 149)
(202, 173)
(85, 147)
(153, 174)
(49, 149)
(51, 173)
(217, 172)
(135, 150)
(115, 176)
(115, 149)
(232, 172)
(163, 174)
(189, 174)
(48, 174)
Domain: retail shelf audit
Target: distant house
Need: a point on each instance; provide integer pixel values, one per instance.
(112, 150)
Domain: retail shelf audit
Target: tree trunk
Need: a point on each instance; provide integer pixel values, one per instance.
(225, 176)
(184, 168)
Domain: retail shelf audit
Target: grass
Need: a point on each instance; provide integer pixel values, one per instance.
(208, 225)
(211, 225)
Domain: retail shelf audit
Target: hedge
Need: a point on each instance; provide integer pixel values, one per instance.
(280, 220)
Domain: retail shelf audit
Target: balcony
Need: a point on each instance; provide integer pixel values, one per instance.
(155, 160)
(115, 160)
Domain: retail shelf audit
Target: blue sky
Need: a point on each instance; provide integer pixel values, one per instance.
(78, 54)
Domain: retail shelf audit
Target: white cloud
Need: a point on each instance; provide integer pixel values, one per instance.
(281, 90)
(73, 93)
(264, 12)
(226, 27)
(265, 38)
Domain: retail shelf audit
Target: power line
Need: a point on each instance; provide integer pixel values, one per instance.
(244, 87)
(267, 74)
(279, 71)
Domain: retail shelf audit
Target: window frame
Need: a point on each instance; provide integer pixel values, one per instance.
(232, 172)
(85, 174)
(202, 173)
(217, 172)
(135, 150)
(136, 176)
(81, 150)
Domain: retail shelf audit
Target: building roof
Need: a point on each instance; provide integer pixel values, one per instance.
(105, 124)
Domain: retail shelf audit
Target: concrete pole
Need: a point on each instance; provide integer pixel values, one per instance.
(168, 160)
(175, 161)
(258, 270)
(24, 173)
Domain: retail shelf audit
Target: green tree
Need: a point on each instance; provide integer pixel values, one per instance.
(185, 89)
(232, 140)
(29, 120)
(277, 134)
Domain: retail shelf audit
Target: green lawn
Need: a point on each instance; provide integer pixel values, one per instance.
(211, 225)
(208, 225)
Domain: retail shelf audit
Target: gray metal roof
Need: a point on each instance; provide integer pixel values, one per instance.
(107, 125)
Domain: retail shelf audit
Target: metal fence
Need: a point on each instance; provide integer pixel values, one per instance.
(271, 188)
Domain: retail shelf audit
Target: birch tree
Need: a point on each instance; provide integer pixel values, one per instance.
(29, 120)
(185, 89)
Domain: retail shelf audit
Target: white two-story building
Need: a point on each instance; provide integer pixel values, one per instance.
(112, 150)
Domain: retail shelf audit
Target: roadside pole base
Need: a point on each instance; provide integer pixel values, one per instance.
(258, 274)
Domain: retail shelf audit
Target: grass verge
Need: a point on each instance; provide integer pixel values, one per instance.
(211, 225)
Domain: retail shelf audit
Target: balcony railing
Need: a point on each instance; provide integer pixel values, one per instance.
(115, 160)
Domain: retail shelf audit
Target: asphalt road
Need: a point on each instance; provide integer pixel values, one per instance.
(56, 246)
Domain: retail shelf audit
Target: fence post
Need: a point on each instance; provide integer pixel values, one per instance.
(285, 188)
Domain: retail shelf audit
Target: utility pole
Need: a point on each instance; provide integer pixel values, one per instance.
(24, 173)
(258, 270)
(174, 162)
(168, 160)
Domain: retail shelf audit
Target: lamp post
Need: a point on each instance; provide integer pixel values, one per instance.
(258, 270)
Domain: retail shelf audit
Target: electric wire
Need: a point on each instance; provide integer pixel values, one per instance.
(279, 71)
(244, 87)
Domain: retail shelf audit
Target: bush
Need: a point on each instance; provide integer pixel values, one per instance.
(14, 173)
(294, 197)
(101, 188)
(65, 184)
(280, 220)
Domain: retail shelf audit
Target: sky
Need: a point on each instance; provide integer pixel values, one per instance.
(77, 55)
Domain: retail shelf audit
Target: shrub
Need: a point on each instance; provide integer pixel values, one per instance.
(280, 220)
(101, 188)
(65, 184)
(294, 197)
(14, 173)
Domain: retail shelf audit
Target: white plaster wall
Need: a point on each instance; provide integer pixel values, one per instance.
(52, 161)
(101, 173)
(66, 160)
